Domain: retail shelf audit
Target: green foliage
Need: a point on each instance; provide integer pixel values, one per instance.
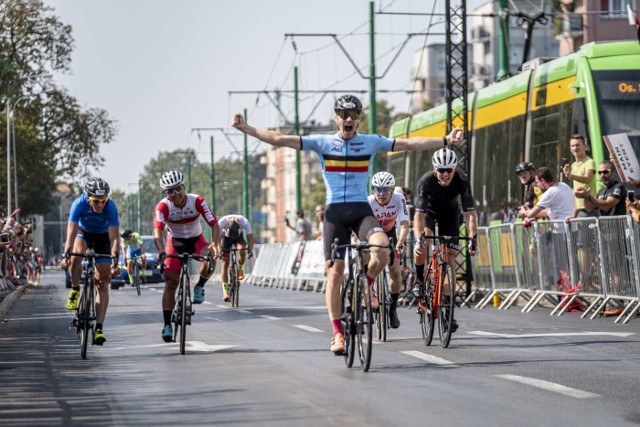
(228, 189)
(57, 139)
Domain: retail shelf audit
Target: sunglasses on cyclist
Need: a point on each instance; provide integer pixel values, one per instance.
(345, 114)
(101, 200)
(381, 190)
(173, 191)
(445, 170)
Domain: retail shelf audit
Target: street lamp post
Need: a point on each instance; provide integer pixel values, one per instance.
(10, 107)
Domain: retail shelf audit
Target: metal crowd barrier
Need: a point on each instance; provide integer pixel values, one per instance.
(588, 261)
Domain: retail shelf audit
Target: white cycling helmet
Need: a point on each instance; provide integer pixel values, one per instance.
(383, 179)
(444, 159)
(171, 179)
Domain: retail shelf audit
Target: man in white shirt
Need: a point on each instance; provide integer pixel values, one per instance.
(557, 200)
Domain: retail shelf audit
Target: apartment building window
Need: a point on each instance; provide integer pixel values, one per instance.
(613, 8)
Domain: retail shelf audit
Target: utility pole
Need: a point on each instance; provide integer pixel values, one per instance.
(296, 130)
(245, 175)
(213, 179)
(503, 42)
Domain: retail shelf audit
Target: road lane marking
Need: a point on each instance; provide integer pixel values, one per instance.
(553, 334)
(429, 358)
(190, 345)
(266, 316)
(308, 328)
(549, 386)
(244, 311)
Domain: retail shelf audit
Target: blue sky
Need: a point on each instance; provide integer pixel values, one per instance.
(164, 67)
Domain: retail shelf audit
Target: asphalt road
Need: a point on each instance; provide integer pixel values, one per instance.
(268, 363)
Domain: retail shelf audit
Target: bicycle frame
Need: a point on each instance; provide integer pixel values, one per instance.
(85, 316)
(357, 317)
(183, 307)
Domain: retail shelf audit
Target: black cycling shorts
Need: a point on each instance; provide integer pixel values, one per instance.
(448, 225)
(341, 219)
(227, 242)
(99, 241)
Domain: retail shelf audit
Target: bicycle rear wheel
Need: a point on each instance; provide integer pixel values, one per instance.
(136, 275)
(348, 325)
(382, 317)
(426, 311)
(446, 304)
(364, 321)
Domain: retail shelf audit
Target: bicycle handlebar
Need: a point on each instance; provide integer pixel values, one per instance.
(359, 247)
(90, 254)
(182, 257)
(472, 240)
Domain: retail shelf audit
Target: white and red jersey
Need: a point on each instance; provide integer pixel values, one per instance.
(184, 222)
(395, 210)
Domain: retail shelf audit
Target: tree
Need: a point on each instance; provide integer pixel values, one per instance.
(59, 140)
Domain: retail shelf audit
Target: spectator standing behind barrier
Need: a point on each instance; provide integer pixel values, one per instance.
(531, 193)
(582, 172)
(611, 199)
(320, 217)
(556, 202)
(302, 228)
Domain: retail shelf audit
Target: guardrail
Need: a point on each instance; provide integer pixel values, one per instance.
(584, 264)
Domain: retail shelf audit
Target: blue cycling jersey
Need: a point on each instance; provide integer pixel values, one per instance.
(346, 163)
(91, 221)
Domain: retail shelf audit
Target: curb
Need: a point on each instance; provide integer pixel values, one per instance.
(8, 302)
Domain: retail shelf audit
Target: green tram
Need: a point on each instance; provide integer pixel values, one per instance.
(531, 116)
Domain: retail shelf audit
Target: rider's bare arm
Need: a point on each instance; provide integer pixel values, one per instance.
(419, 143)
(270, 137)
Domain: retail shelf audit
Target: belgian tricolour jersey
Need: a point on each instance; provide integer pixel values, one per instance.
(346, 163)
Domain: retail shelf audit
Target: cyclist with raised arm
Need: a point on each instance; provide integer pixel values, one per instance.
(231, 228)
(390, 208)
(346, 158)
(179, 213)
(133, 246)
(442, 194)
(93, 220)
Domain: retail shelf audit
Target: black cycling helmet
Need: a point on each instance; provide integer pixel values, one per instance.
(97, 187)
(126, 233)
(347, 102)
(525, 166)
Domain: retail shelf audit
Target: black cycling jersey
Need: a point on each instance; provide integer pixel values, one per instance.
(436, 200)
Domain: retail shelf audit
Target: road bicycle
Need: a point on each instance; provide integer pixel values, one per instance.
(234, 282)
(437, 292)
(137, 277)
(183, 307)
(357, 315)
(85, 317)
(384, 299)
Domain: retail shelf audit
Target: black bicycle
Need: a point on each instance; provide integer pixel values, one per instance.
(234, 282)
(183, 307)
(137, 278)
(85, 317)
(357, 315)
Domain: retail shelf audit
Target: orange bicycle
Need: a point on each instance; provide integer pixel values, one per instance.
(437, 292)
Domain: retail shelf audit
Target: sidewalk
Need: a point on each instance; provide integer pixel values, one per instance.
(10, 292)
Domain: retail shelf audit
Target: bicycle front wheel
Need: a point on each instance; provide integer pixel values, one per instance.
(84, 316)
(235, 287)
(364, 321)
(382, 317)
(348, 323)
(446, 304)
(184, 310)
(136, 276)
(427, 311)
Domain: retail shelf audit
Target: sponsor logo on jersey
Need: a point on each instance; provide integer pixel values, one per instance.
(337, 143)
